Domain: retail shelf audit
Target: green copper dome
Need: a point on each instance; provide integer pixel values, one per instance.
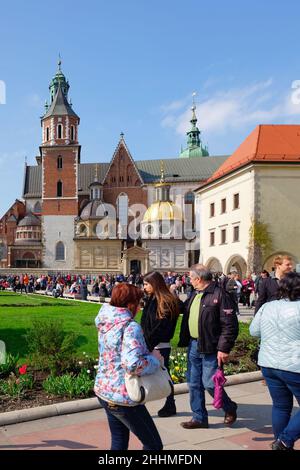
(59, 104)
(59, 80)
(194, 148)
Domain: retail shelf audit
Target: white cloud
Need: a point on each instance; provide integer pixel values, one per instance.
(175, 105)
(233, 109)
(34, 100)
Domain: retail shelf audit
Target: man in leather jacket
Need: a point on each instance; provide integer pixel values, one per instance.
(209, 328)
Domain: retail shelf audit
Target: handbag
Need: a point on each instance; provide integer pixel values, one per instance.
(149, 387)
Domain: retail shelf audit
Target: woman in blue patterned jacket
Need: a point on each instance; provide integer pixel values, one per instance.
(122, 349)
(277, 323)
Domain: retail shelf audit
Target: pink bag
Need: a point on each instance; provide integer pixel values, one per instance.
(219, 381)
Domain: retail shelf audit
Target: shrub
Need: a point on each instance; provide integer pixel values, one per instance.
(245, 348)
(16, 386)
(69, 385)
(50, 347)
(9, 366)
(77, 365)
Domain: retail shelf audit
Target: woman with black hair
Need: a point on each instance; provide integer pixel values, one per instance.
(160, 314)
(277, 323)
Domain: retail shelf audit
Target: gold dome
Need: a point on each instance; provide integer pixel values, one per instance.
(163, 210)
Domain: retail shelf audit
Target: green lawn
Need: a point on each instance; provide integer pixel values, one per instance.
(18, 311)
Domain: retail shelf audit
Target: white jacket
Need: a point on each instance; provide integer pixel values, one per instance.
(277, 323)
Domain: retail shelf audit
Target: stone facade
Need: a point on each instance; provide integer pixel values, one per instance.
(59, 191)
(95, 255)
(58, 229)
(251, 204)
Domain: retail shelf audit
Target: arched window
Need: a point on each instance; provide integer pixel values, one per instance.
(189, 197)
(59, 190)
(59, 131)
(189, 202)
(122, 204)
(59, 162)
(83, 230)
(47, 134)
(60, 251)
(72, 133)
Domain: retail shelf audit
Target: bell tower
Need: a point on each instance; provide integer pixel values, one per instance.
(60, 155)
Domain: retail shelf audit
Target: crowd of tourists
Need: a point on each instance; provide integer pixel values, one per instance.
(209, 329)
(243, 290)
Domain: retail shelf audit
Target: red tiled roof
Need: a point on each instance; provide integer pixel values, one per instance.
(271, 143)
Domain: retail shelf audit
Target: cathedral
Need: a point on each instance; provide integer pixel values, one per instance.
(120, 216)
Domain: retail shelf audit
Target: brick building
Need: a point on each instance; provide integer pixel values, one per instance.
(106, 216)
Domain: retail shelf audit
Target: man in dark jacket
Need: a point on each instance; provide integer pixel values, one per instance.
(209, 328)
(268, 288)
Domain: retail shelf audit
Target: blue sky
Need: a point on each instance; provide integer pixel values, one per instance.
(133, 66)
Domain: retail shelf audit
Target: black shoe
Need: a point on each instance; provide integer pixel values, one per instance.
(167, 411)
(193, 424)
(279, 445)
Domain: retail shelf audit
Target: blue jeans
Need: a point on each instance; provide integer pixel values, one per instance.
(123, 419)
(201, 368)
(283, 386)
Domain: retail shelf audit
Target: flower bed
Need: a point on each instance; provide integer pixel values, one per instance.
(54, 372)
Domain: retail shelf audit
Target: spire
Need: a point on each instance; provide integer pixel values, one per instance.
(194, 145)
(58, 80)
(194, 133)
(194, 107)
(96, 185)
(96, 179)
(60, 105)
(162, 188)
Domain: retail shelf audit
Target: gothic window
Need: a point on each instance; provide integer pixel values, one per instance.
(59, 131)
(72, 133)
(47, 134)
(59, 190)
(60, 251)
(189, 201)
(122, 204)
(59, 162)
